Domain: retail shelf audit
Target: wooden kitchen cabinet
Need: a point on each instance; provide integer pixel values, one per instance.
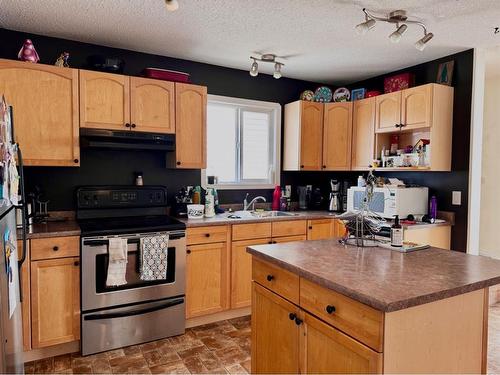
(363, 134)
(45, 111)
(190, 127)
(241, 272)
(320, 229)
(275, 335)
(337, 134)
(104, 100)
(207, 276)
(416, 106)
(436, 236)
(152, 105)
(55, 301)
(388, 110)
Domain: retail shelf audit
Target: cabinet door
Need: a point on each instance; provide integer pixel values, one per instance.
(311, 135)
(44, 99)
(104, 100)
(241, 272)
(55, 301)
(439, 236)
(207, 279)
(275, 337)
(25, 288)
(416, 107)
(337, 132)
(363, 134)
(328, 351)
(320, 229)
(152, 106)
(338, 228)
(388, 111)
(190, 126)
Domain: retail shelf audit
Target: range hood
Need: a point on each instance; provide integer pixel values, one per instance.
(128, 140)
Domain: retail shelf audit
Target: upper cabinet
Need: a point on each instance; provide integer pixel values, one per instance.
(104, 100)
(363, 134)
(152, 105)
(388, 110)
(416, 106)
(337, 133)
(45, 111)
(190, 126)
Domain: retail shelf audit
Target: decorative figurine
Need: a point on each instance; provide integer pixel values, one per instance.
(28, 52)
(62, 60)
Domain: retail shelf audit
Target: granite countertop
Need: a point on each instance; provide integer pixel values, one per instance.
(53, 229)
(383, 279)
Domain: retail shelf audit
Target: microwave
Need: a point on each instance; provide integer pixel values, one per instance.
(389, 201)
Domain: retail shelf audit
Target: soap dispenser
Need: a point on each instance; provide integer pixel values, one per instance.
(396, 233)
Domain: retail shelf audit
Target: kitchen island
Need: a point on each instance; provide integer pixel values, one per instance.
(322, 307)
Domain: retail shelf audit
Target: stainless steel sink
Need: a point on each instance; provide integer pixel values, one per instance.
(259, 214)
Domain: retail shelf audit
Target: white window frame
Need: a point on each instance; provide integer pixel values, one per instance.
(275, 111)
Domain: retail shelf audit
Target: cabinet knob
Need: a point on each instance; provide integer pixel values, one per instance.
(270, 277)
(55, 248)
(324, 166)
(310, 227)
(127, 125)
(274, 242)
(301, 166)
(298, 321)
(188, 251)
(76, 160)
(76, 263)
(292, 316)
(133, 126)
(178, 163)
(207, 234)
(270, 242)
(330, 309)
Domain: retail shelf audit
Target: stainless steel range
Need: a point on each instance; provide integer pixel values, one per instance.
(138, 311)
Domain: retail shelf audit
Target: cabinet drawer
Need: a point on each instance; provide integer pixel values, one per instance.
(289, 239)
(281, 281)
(209, 234)
(356, 319)
(288, 228)
(251, 231)
(55, 247)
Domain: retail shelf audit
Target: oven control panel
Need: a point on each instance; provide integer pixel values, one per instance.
(114, 197)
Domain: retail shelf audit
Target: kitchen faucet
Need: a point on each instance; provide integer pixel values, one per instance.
(252, 202)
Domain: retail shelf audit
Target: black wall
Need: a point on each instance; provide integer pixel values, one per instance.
(118, 167)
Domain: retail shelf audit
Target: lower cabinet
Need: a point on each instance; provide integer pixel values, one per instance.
(287, 339)
(438, 236)
(207, 279)
(320, 229)
(55, 301)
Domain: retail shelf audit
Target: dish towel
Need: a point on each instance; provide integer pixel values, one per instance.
(154, 250)
(117, 265)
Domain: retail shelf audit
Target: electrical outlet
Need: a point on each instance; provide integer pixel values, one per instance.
(456, 198)
(288, 191)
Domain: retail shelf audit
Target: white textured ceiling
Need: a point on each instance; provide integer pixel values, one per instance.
(316, 37)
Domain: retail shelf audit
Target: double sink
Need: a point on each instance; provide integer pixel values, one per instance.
(258, 214)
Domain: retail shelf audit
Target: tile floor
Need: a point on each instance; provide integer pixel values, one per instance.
(222, 347)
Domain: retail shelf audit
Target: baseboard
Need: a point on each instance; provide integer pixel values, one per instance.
(217, 317)
(51, 351)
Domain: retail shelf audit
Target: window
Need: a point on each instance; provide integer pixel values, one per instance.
(243, 143)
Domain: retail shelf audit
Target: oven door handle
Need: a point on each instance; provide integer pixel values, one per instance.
(124, 314)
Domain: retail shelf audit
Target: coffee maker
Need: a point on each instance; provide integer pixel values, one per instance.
(335, 204)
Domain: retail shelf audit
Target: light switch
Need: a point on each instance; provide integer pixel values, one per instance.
(456, 198)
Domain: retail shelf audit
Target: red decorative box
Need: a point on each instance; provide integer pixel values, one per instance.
(398, 82)
(166, 75)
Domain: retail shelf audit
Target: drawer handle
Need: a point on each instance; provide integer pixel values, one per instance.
(330, 309)
(55, 248)
(270, 277)
(188, 251)
(207, 234)
(292, 316)
(298, 321)
(76, 263)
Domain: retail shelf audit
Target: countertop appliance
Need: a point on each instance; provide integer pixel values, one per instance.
(334, 204)
(345, 187)
(11, 294)
(139, 311)
(389, 201)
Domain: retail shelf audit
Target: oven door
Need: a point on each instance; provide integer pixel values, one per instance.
(94, 268)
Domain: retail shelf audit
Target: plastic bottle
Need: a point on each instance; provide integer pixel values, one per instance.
(209, 203)
(433, 209)
(276, 198)
(361, 181)
(396, 233)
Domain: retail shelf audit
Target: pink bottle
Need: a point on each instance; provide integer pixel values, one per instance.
(276, 198)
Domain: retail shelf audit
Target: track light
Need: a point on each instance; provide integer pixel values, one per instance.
(422, 43)
(277, 71)
(396, 35)
(363, 27)
(254, 69)
(171, 5)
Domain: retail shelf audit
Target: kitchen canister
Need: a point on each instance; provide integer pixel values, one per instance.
(209, 203)
(195, 211)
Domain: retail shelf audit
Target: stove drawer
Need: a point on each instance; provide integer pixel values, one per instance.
(124, 326)
(209, 234)
(55, 247)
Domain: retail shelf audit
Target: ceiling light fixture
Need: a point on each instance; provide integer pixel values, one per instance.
(400, 19)
(267, 58)
(171, 5)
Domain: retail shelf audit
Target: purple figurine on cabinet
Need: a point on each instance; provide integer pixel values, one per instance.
(28, 52)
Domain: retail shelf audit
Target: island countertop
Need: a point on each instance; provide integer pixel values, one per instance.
(383, 279)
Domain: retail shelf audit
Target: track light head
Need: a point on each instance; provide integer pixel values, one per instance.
(277, 71)
(363, 27)
(254, 69)
(171, 5)
(422, 43)
(395, 37)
